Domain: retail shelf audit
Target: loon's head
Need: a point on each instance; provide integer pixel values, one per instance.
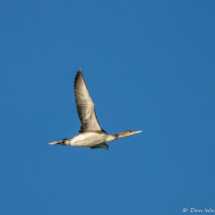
(127, 133)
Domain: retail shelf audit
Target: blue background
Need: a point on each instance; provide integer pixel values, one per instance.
(148, 65)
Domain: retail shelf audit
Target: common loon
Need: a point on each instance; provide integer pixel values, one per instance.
(91, 134)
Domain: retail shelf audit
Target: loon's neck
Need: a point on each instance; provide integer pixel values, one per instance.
(112, 137)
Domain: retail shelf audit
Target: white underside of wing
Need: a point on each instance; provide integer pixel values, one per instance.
(85, 105)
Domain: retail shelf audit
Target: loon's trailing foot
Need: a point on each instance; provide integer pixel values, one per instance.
(63, 142)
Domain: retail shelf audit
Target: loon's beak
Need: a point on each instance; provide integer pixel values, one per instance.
(136, 132)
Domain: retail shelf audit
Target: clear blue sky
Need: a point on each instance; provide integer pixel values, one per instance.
(148, 65)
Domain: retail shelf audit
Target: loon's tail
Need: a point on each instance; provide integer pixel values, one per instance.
(62, 142)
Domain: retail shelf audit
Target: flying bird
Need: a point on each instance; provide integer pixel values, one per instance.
(91, 134)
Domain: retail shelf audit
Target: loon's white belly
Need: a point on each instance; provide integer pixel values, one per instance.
(88, 139)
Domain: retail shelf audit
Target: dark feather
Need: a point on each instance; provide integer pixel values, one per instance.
(101, 145)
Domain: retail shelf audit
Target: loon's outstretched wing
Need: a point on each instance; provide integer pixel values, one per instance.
(85, 105)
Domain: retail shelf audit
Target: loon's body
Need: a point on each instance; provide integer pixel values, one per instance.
(91, 135)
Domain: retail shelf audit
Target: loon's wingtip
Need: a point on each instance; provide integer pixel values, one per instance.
(52, 143)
